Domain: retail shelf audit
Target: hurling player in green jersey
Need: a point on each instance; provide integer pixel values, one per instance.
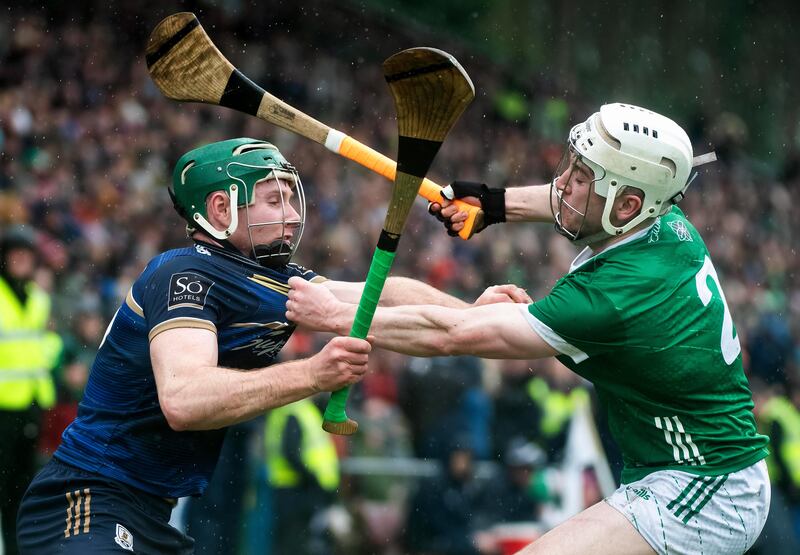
(641, 314)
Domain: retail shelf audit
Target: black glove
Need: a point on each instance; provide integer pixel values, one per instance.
(493, 202)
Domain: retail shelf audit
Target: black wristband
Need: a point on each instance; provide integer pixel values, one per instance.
(494, 205)
(493, 199)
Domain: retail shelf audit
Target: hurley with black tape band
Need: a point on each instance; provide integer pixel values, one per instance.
(430, 91)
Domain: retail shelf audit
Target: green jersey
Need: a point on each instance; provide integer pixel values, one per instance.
(647, 323)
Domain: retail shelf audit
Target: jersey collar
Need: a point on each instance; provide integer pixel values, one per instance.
(587, 253)
(229, 253)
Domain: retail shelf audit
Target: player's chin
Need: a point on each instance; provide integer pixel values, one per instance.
(570, 227)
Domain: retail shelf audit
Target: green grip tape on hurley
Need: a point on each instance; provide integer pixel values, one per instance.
(378, 271)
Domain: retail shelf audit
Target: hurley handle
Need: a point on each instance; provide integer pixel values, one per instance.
(335, 419)
(385, 166)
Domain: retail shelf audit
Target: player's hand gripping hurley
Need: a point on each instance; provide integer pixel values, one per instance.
(431, 91)
(185, 65)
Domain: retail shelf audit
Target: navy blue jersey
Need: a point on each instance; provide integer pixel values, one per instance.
(120, 431)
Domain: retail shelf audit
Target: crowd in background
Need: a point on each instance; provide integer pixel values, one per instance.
(88, 145)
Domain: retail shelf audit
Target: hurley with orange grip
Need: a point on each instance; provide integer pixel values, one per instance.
(185, 65)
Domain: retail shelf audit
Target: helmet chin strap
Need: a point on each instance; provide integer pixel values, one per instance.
(575, 238)
(589, 239)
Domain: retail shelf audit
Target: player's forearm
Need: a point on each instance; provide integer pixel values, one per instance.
(405, 291)
(217, 397)
(421, 330)
(396, 291)
(528, 204)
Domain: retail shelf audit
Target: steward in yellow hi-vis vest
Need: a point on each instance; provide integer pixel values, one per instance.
(28, 354)
(781, 420)
(317, 453)
(303, 471)
(28, 350)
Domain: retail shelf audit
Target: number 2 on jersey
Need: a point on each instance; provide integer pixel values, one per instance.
(729, 343)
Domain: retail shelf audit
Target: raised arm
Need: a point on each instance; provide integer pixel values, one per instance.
(489, 331)
(196, 394)
(528, 204)
(515, 204)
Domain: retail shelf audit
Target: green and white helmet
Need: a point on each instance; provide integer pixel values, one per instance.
(235, 166)
(628, 146)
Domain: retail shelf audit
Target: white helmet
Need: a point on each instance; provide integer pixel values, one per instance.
(626, 145)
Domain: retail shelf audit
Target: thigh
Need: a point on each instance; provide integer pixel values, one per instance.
(600, 530)
(76, 513)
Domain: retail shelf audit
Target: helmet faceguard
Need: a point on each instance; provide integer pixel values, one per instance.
(292, 215)
(235, 167)
(571, 162)
(628, 146)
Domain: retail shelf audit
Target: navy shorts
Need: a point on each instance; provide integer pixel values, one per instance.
(70, 511)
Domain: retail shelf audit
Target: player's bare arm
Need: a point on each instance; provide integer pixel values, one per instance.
(528, 204)
(497, 331)
(406, 291)
(520, 204)
(196, 394)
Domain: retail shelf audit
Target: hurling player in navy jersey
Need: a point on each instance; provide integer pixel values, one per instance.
(171, 373)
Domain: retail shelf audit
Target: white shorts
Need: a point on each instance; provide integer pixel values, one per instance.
(677, 512)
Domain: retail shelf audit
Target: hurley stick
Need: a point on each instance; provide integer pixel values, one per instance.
(431, 91)
(185, 65)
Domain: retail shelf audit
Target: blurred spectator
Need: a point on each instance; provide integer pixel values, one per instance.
(81, 342)
(536, 405)
(514, 496)
(516, 413)
(28, 354)
(442, 513)
(771, 350)
(380, 499)
(215, 518)
(778, 417)
(442, 398)
(303, 471)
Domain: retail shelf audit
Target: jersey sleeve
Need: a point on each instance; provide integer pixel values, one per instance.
(577, 319)
(180, 294)
(300, 271)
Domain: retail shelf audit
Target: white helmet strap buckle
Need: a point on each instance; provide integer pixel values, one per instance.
(233, 196)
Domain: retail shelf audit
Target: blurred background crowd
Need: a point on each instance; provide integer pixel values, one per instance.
(449, 450)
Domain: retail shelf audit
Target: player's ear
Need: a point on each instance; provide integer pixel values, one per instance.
(218, 206)
(628, 205)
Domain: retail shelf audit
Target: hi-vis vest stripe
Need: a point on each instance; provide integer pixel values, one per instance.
(79, 506)
(684, 451)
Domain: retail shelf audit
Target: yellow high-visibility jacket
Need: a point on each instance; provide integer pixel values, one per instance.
(781, 411)
(28, 350)
(318, 452)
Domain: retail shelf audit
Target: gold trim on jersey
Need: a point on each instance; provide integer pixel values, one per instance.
(270, 325)
(182, 322)
(132, 304)
(270, 283)
(79, 506)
